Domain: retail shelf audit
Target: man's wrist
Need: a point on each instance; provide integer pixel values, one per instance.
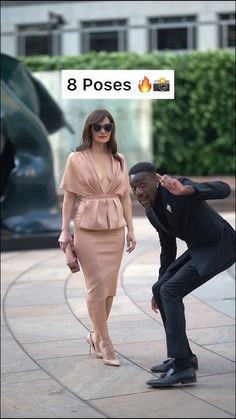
(189, 190)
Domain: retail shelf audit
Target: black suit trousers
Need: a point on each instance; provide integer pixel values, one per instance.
(169, 292)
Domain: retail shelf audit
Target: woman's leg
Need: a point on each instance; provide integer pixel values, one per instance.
(109, 301)
(108, 305)
(97, 313)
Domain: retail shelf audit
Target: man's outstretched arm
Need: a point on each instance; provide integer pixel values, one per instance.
(204, 190)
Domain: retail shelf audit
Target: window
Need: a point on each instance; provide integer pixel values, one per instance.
(38, 40)
(227, 30)
(172, 33)
(104, 35)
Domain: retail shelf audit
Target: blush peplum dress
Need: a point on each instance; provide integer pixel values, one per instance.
(99, 223)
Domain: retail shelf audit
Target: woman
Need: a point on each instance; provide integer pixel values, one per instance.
(99, 176)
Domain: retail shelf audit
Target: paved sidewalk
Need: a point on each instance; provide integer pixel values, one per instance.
(47, 371)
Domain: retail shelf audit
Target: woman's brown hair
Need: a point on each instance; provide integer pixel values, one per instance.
(95, 118)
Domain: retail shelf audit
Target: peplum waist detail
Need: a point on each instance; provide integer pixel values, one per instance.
(102, 196)
(100, 212)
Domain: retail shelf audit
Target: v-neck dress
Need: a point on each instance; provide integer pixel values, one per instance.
(99, 223)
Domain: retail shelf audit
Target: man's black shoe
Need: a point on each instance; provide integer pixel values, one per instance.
(169, 363)
(171, 377)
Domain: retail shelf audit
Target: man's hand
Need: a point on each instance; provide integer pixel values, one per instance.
(154, 305)
(174, 186)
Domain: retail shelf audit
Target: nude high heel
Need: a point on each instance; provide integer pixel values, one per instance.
(108, 353)
(93, 342)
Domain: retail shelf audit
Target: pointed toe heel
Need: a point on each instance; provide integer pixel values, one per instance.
(108, 353)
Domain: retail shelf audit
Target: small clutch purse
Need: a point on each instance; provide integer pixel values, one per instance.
(71, 258)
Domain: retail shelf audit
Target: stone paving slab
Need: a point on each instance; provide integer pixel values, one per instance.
(219, 292)
(45, 328)
(57, 348)
(226, 349)
(44, 399)
(89, 378)
(47, 371)
(171, 403)
(202, 315)
(36, 292)
(37, 310)
(216, 334)
(131, 331)
(146, 354)
(5, 334)
(14, 358)
(216, 390)
(78, 307)
(24, 376)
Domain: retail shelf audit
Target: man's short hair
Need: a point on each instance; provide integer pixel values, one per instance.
(142, 167)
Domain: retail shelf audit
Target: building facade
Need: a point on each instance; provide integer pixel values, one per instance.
(74, 27)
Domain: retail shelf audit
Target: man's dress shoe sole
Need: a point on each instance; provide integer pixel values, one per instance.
(171, 378)
(170, 363)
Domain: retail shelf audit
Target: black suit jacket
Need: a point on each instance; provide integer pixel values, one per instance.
(209, 237)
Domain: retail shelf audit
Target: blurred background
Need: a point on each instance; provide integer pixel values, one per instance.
(192, 135)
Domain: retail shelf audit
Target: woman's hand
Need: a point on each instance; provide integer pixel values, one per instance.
(64, 239)
(154, 305)
(131, 242)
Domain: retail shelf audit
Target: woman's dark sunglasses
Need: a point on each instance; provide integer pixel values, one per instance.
(106, 127)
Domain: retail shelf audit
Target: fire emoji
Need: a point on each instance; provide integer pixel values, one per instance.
(145, 86)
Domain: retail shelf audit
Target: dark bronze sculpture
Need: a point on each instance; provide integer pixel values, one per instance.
(29, 202)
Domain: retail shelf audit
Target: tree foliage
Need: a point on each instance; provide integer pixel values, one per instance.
(192, 134)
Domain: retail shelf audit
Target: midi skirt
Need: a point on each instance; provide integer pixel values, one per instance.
(100, 254)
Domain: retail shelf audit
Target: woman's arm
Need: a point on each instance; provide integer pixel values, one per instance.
(67, 208)
(127, 208)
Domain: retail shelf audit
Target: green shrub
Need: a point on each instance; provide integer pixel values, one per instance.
(193, 134)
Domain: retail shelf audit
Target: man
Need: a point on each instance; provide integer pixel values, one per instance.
(176, 208)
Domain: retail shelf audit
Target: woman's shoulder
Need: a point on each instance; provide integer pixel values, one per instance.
(74, 155)
(123, 159)
(121, 156)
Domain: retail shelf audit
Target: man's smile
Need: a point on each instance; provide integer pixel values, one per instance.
(145, 202)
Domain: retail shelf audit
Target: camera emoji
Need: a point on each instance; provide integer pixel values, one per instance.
(161, 85)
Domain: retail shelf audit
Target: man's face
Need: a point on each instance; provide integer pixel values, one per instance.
(144, 187)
